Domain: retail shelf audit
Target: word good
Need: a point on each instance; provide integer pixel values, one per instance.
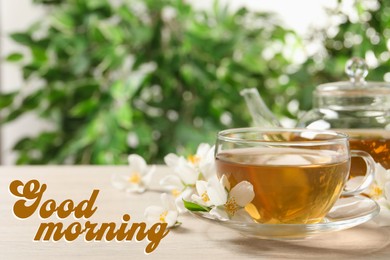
(32, 193)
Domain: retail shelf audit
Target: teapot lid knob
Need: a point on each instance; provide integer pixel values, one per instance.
(356, 69)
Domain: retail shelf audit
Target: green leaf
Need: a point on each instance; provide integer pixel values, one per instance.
(46, 139)
(11, 116)
(6, 99)
(191, 206)
(124, 116)
(125, 13)
(39, 55)
(32, 101)
(143, 132)
(23, 144)
(242, 11)
(95, 4)
(29, 70)
(22, 38)
(84, 108)
(49, 2)
(23, 158)
(63, 21)
(111, 33)
(14, 57)
(125, 90)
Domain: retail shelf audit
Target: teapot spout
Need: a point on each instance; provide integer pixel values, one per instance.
(260, 113)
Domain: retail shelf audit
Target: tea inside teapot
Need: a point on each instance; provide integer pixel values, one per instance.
(356, 107)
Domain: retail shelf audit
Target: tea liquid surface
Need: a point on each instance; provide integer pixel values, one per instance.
(291, 185)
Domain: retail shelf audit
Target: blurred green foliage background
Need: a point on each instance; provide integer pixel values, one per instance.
(153, 77)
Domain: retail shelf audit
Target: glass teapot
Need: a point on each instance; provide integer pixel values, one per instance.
(357, 107)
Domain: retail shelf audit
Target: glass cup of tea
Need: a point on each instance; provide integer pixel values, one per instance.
(297, 174)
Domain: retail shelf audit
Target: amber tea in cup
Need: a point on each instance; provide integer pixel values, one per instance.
(297, 175)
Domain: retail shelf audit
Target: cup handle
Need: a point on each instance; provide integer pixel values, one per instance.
(369, 177)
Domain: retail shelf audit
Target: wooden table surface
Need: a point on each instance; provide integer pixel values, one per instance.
(194, 239)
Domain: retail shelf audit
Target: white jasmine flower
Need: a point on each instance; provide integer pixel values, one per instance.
(167, 213)
(225, 203)
(204, 160)
(235, 201)
(173, 184)
(195, 167)
(380, 191)
(185, 171)
(137, 179)
(202, 198)
(178, 190)
(185, 195)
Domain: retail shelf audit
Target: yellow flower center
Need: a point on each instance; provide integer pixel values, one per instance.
(135, 178)
(205, 197)
(375, 192)
(175, 193)
(194, 159)
(163, 216)
(231, 206)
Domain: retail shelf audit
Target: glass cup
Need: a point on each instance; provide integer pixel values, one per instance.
(297, 174)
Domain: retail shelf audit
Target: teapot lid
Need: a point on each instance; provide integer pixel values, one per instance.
(357, 93)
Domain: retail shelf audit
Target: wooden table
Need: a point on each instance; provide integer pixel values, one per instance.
(195, 239)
